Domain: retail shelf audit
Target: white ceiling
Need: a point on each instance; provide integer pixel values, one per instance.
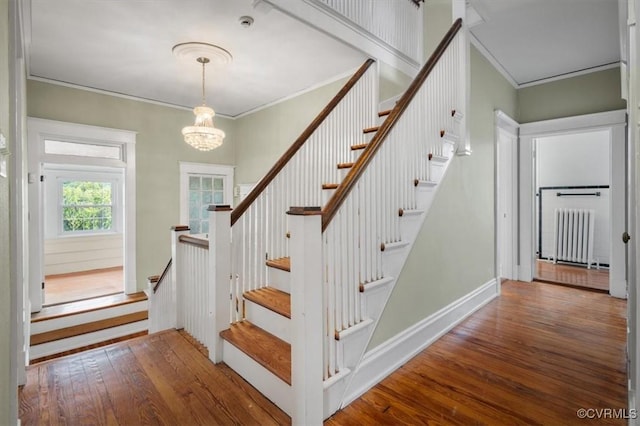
(534, 40)
(124, 46)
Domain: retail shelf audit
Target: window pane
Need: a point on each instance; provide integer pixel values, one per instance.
(218, 183)
(86, 193)
(87, 206)
(194, 211)
(204, 226)
(194, 182)
(82, 149)
(194, 226)
(206, 183)
(218, 198)
(205, 212)
(207, 198)
(86, 218)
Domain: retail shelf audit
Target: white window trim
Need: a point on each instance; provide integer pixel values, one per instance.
(187, 168)
(40, 129)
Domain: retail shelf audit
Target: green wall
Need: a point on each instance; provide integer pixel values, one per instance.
(454, 251)
(159, 148)
(585, 94)
(8, 390)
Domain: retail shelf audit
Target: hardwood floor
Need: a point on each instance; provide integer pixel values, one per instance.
(535, 355)
(66, 288)
(577, 276)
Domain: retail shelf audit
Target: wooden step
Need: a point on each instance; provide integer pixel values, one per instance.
(371, 129)
(282, 263)
(88, 305)
(264, 348)
(77, 330)
(345, 165)
(359, 146)
(272, 299)
(329, 185)
(384, 113)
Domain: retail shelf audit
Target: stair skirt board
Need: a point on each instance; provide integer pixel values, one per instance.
(62, 345)
(86, 317)
(279, 392)
(385, 358)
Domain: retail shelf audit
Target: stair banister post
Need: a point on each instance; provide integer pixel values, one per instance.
(305, 248)
(175, 315)
(219, 305)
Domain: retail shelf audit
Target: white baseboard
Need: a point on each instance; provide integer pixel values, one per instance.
(385, 358)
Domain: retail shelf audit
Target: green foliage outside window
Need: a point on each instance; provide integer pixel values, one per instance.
(86, 206)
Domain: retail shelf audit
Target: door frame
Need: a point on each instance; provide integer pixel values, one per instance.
(37, 130)
(615, 122)
(206, 169)
(506, 178)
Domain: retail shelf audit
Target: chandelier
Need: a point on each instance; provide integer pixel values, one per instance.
(203, 135)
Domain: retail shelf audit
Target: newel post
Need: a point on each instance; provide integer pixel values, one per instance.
(176, 313)
(305, 248)
(219, 306)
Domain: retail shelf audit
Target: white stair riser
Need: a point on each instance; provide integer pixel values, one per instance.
(85, 317)
(436, 171)
(58, 346)
(393, 260)
(279, 279)
(373, 301)
(350, 347)
(410, 226)
(268, 320)
(268, 384)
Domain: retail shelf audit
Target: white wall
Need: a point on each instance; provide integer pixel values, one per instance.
(83, 253)
(579, 159)
(574, 159)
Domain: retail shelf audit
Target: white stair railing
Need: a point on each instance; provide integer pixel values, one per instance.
(162, 300)
(362, 219)
(259, 224)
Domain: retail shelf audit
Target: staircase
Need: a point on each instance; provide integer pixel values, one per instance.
(308, 287)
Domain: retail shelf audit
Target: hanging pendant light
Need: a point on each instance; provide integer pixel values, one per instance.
(203, 135)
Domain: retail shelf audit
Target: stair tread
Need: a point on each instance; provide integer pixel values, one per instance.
(87, 305)
(345, 165)
(271, 298)
(283, 263)
(371, 129)
(266, 349)
(359, 146)
(329, 185)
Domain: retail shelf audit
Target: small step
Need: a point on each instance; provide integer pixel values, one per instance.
(266, 349)
(384, 113)
(345, 165)
(371, 129)
(359, 146)
(87, 305)
(272, 299)
(330, 186)
(438, 158)
(425, 183)
(283, 263)
(449, 137)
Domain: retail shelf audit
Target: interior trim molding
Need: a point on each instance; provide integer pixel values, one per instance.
(387, 357)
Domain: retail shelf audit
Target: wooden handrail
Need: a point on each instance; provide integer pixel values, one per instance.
(194, 241)
(162, 276)
(331, 208)
(286, 157)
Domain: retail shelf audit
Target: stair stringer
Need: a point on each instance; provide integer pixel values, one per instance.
(353, 344)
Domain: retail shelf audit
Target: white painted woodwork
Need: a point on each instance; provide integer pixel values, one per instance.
(162, 303)
(82, 253)
(307, 319)
(218, 286)
(269, 321)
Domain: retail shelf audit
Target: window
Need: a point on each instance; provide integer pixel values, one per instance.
(201, 185)
(87, 206)
(82, 149)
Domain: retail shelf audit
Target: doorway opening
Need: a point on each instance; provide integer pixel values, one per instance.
(572, 212)
(83, 229)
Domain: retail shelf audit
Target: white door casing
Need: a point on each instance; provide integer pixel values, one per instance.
(39, 130)
(614, 122)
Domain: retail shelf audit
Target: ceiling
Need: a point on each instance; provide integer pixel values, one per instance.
(533, 40)
(124, 46)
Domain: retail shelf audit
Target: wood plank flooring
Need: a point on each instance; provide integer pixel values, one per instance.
(66, 288)
(576, 276)
(535, 355)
